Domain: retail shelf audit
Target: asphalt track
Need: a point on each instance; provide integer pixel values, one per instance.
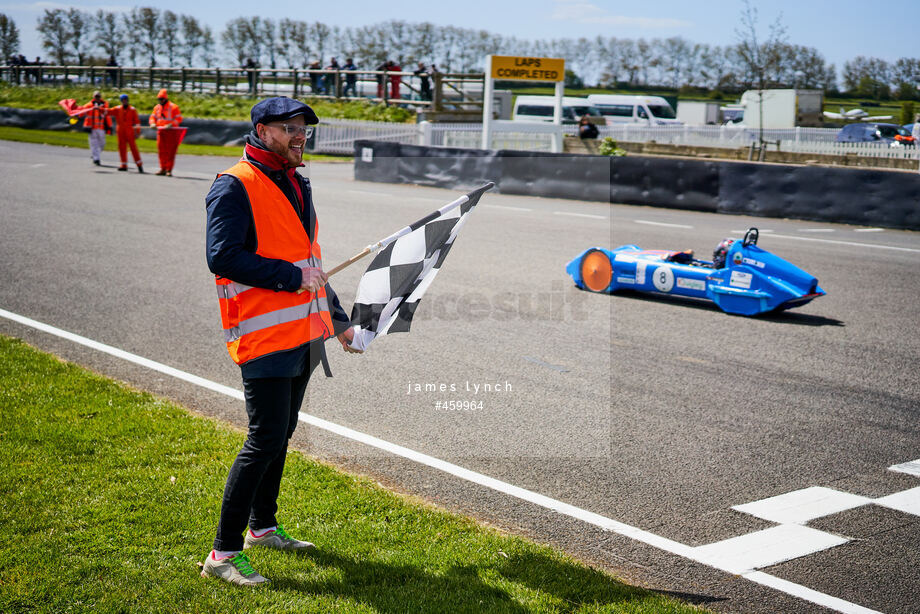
(656, 413)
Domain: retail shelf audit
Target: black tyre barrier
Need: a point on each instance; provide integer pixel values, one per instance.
(842, 195)
(554, 175)
(675, 183)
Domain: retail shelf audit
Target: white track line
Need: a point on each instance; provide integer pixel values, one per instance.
(508, 208)
(868, 230)
(853, 243)
(816, 230)
(666, 225)
(588, 215)
(607, 524)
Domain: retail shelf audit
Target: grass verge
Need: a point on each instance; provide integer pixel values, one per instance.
(204, 106)
(79, 139)
(110, 497)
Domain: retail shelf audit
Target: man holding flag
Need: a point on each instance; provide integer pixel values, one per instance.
(276, 310)
(96, 121)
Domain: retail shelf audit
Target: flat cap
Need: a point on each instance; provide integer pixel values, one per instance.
(280, 108)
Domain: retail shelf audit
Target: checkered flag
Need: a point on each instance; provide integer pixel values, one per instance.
(408, 260)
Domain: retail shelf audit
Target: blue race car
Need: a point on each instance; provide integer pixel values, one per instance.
(741, 279)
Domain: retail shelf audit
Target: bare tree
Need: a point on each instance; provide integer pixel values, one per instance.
(79, 24)
(761, 57)
(269, 33)
(191, 40)
(169, 36)
(294, 42)
(868, 76)
(55, 33)
(673, 59)
(206, 49)
(906, 77)
(422, 46)
(320, 34)
(144, 26)
(369, 45)
(235, 37)
(108, 33)
(9, 38)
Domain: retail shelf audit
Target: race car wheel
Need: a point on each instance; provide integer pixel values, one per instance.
(596, 271)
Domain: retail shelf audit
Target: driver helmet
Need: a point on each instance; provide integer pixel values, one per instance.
(720, 252)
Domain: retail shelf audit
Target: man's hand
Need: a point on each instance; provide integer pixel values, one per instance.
(313, 279)
(345, 338)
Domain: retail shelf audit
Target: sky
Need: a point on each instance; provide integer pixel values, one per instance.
(840, 29)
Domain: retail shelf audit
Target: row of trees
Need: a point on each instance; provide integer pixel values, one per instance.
(143, 35)
(150, 36)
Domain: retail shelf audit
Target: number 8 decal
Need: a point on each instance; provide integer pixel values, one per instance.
(663, 279)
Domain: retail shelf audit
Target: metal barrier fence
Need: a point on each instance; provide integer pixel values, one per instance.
(337, 136)
(448, 91)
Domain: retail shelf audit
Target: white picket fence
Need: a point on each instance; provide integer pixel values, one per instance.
(338, 136)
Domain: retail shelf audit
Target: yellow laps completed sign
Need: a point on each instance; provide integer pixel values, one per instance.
(510, 68)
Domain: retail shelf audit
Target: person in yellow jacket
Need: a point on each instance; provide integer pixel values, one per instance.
(277, 310)
(166, 118)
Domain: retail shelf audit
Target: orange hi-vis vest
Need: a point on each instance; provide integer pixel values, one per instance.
(165, 115)
(97, 118)
(258, 321)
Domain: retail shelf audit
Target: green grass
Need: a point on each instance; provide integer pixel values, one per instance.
(206, 106)
(110, 497)
(79, 139)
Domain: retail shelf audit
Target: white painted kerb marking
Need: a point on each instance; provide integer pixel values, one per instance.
(911, 467)
(608, 524)
(785, 542)
(907, 501)
(800, 506)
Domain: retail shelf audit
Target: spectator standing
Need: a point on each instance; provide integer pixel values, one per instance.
(351, 79)
(166, 118)
(36, 72)
(316, 79)
(250, 67)
(395, 80)
(112, 72)
(128, 128)
(263, 248)
(330, 76)
(424, 81)
(916, 130)
(381, 81)
(97, 122)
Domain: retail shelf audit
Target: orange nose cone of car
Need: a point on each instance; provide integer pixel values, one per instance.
(596, 271)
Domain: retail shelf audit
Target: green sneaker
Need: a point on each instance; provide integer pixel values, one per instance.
(234, 569)
(277, 539)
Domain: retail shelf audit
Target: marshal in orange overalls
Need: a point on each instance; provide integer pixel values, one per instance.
(166, 118)
(128, 129)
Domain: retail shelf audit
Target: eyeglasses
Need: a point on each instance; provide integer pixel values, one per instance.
(297, 130)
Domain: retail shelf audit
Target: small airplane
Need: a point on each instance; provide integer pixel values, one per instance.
(856, 115)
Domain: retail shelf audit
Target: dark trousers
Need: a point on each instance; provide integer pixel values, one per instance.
(251, 493)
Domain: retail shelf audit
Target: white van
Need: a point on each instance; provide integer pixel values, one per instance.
(541, 108)
(650, 110)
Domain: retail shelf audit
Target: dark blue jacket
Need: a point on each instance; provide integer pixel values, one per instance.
(231, 247)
